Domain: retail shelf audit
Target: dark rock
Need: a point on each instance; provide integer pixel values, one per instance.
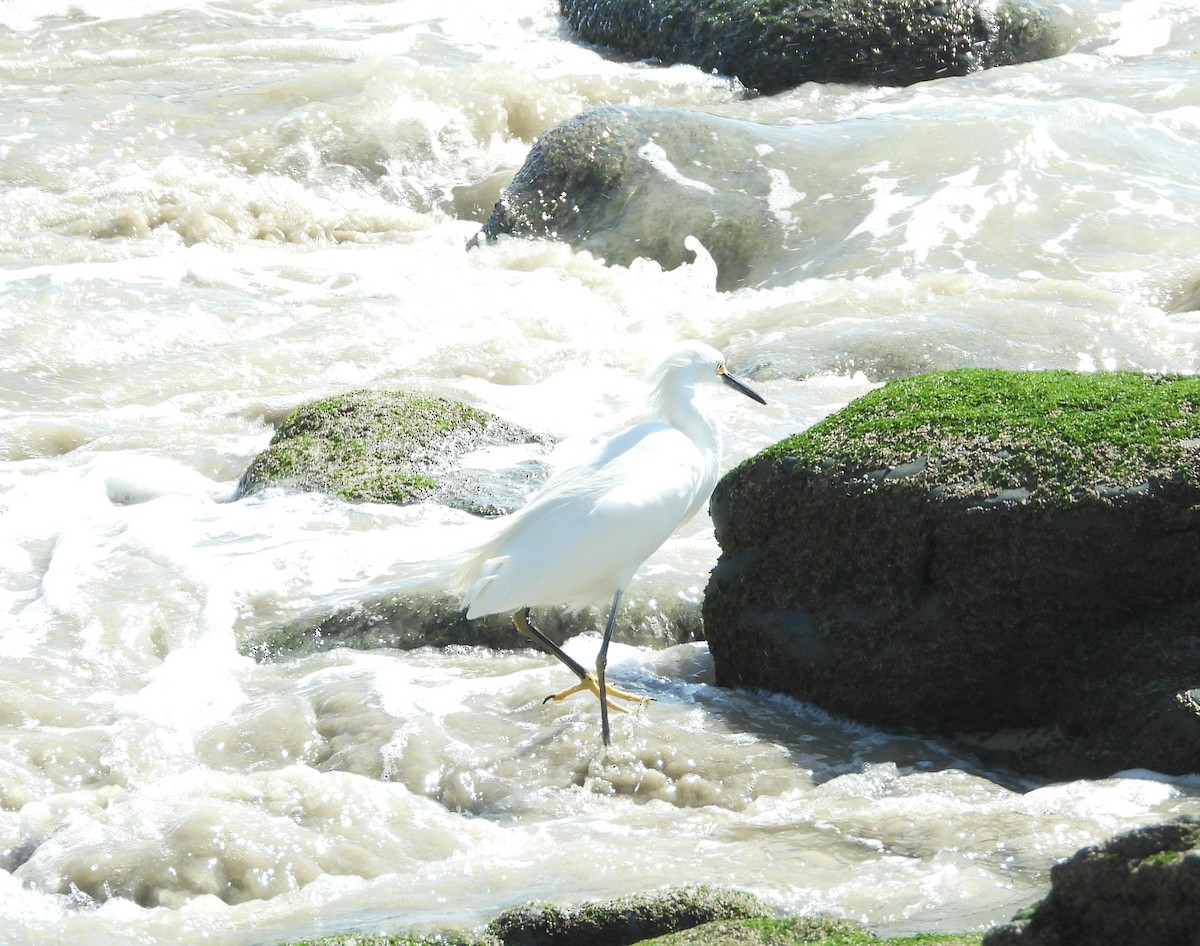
(624, 921)
(608, 181)
(409, 621)
(1140, 888)
(391, 447)
(771, 45)
(1010, 555)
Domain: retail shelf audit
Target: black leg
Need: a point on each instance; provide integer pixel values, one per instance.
(593, 682)
(526, 628)
(602, 665)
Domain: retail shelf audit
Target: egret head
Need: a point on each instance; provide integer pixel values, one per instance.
(738, 385)
(690, 363)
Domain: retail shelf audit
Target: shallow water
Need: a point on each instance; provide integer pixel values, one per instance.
(210, 213)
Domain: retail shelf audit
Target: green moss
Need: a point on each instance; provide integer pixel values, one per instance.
(372, 939)
(1187, 846)
(375, 446)
(422, 420)
(1055, 433)
(808, 931)
(1027, 912)
(759, 931)
(623, 921)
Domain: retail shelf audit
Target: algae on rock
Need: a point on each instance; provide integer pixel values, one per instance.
(1012, 558)
(623, 921)
(386, 447)
(1141, 887)
(975, 432)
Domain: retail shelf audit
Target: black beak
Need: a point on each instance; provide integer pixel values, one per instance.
(743, 388)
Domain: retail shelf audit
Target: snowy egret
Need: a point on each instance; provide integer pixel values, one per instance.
(582, 537)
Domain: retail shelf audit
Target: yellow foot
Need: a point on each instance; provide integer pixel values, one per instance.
(589, 683)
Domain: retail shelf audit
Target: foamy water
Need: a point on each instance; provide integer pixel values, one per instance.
(211, 214)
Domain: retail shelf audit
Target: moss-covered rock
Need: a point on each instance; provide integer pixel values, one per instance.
(1142, 887)
(807, 931)
(1009, 555)
(387, 447)
(378, 939)
(623, 921)
(771, 45)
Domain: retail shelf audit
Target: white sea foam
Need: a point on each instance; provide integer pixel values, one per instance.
(209, 216)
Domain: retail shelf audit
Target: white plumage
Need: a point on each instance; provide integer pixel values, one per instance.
(584, 535)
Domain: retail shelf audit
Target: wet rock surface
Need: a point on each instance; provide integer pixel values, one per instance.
(621, 183)
(392, 447)
(1142, 887)
(409, 621)
(623, 921)
(770, 46)
(1008, 557)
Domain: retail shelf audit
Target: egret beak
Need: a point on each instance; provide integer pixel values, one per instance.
(743, 388)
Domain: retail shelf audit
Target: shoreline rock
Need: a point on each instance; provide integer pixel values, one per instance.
(772, 46)
(1142, 887)
(390, 447)
(623, 921)
(1011, 558)
(606, 181)
(409, 621)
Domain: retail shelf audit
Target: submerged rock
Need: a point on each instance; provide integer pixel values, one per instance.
(773, 204)
(390, 447)
(770, 45)
(625, 182)
(1010, 557)
(409, 621)
(1142, 887)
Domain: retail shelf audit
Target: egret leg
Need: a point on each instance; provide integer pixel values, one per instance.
(587, 680)
(602, 665)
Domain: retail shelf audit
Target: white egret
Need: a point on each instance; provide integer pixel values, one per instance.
(582, 537)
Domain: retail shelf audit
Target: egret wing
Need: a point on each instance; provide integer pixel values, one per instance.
(584, 536)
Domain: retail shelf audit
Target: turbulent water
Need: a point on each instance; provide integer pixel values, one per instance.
(212, 212)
